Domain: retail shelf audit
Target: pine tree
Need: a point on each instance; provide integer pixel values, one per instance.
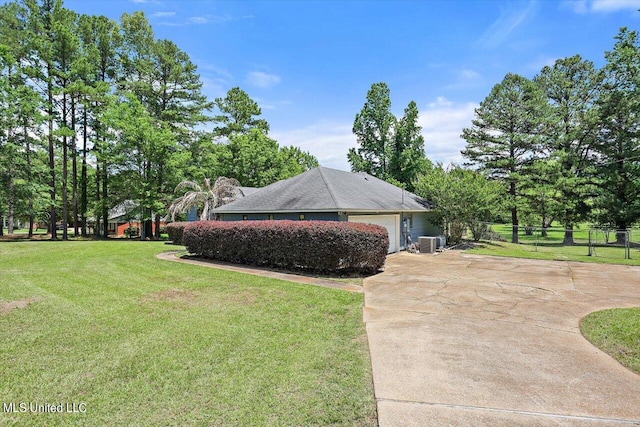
(505, 136)
(572, 88)
(618, 147)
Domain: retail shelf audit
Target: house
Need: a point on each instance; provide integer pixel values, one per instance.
(126, 215)
(333, 195)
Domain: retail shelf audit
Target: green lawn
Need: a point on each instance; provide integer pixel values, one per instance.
(141, 341)
(616, 333)
(551, 248)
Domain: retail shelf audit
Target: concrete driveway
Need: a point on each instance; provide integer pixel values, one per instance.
(469, 340)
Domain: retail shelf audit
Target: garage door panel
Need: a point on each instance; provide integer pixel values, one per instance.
(390, 222)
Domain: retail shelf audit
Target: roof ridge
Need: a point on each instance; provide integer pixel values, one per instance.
(331, 193)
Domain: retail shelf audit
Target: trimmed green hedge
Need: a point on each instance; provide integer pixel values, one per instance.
(321, 246)
(175, 231)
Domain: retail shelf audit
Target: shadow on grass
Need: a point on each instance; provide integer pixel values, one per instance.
(348, 276)
(12, 238)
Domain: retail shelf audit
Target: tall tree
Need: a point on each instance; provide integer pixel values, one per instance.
(166, 83)
(256, 160)
(295, 161)
(505, 135)
(177, 102)
(572, 87)
(618, 148)
(97, 70)
(238, 115)
(374, 130)
(21, 113)
(65, 51)
(140, 142)
(407, 157)
(40, 31)
(390, 149)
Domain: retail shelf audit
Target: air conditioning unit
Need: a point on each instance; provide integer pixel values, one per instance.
(427, 244)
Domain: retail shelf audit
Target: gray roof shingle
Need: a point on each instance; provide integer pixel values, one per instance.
(327, 190)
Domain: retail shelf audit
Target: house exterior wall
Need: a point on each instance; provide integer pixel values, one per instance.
(419, 224)
(316, 216)
(192, 214)
(118, 228)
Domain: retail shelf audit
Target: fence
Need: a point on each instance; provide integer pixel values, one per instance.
(597, 242)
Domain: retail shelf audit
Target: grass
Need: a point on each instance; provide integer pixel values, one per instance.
(551, 248)
(147, 342)
(615, 332)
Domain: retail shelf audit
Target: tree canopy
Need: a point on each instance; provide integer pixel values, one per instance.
(96, 112)
(388, 148)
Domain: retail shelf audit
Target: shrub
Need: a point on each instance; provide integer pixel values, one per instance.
(321, 246)
(175, 231)
(132, 232)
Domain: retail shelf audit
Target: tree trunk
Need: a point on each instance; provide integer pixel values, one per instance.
(514, 213)
(157, 224)
(568, 235)
(74, 171)
(12, 200)
(28, 153)
(105, 207)
(52, 164)
(157, 218)
(96, 229)
(148, 228)
(65, 195)
(621, 235)
(83, 178)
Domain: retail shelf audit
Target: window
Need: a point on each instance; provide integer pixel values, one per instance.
(301, 217)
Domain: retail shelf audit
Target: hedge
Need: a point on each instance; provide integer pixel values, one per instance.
(175, 231)
(320, 246)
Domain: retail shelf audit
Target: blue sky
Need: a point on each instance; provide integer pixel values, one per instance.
(309, 64)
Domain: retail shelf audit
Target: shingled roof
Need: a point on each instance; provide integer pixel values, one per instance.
(328, 190)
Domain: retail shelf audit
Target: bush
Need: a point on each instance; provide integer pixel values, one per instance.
(175, 231)
(132, 232)
(321, 246)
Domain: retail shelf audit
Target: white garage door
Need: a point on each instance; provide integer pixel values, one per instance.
(390, 222)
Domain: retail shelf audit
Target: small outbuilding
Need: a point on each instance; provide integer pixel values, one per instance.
(334, 195)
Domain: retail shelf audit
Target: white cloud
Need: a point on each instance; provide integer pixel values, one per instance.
(614, 5)
(162, 14)
(442, 123)
(198, 20)
(502, 27)
(216, 81)
(272, 105)
(262, 80)
(466, 74)
(540, 62)
(600, 6)
(328, 141)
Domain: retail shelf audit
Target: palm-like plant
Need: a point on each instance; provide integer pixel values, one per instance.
(209, 197)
